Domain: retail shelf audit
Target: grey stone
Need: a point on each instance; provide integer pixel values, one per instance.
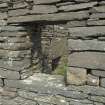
(82, 1)
(15, 54)
(76, 76)
(18, 12)
(98, 73)
(92, 90)
(45, 1)
(92, 80)
(43, 9)
(97, 16)
(50, 17)
(43, 98)
(16, 46)
(98, 9)
(97, 103)
(13, 34)
(1, 82)
(3, 5)
(74, 94)
(22, 101)
(97, 99)
(77, 6)
(7, 74)
(37, 82)
(15, 65)
(101, 38)
(3, 23)
(75, 24)
(3, 15)
(87, 31)
(96, 22)
(12, 28)
(92, 60)
(102, 82)
(84, 45)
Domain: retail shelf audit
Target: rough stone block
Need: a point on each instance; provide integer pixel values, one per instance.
(84, 45)
(77, 6)
(50, 17)
(75, 24)
(87, 31)
(96, 22)
(43, 9)
(97, 16)
(37, 82)
(76, 76)
(1, 82)
(98, 73)
(9, 74)
(98, 9)
(92, 60)
(45, 1)
(102, 82)
(92, 80)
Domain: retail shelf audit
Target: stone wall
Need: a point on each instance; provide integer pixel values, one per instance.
(33, 34)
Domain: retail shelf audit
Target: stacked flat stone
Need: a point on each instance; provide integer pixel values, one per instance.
(85, 24)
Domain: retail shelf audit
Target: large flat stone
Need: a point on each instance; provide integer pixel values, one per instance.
(77, 6)
(92, 60)
(15, 65)
(87, 31)
(38, 82)
(43, 9)
(98, 9)
(4, 73)
(18, 12)
(76, 76)
(45, 1)
(96, 22)
(98, 73)
(97, 16)
(84, 45)
(50, 17)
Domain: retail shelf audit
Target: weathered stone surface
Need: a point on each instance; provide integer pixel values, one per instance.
(97, 103)
(15, 65)
(87, 31)
(12, 28)
(13, 34)
(49, 17)
(97, 16)
(1, 82)
(15, 54)
(92, 80)
(97, 99)
(16, 46)
(76, 76)
(7, 74)
(45, 1)
(77, 6)
(96, 22)
(82, 0)
(43, 98)
(90, 45)
(37, 82)
(18, 12)
(93, 60)
(98, 9)
(3, 23)
(3, 15)
(76, 24)
(102, 82)
(98, 73)
(43, 9)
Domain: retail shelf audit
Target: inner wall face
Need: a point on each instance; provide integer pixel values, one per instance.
(49, 51)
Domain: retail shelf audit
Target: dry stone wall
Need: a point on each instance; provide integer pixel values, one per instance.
(27, 27)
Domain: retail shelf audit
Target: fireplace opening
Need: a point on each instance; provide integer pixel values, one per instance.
(49, 50)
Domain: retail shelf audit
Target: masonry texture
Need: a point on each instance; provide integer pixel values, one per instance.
(52, 52)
